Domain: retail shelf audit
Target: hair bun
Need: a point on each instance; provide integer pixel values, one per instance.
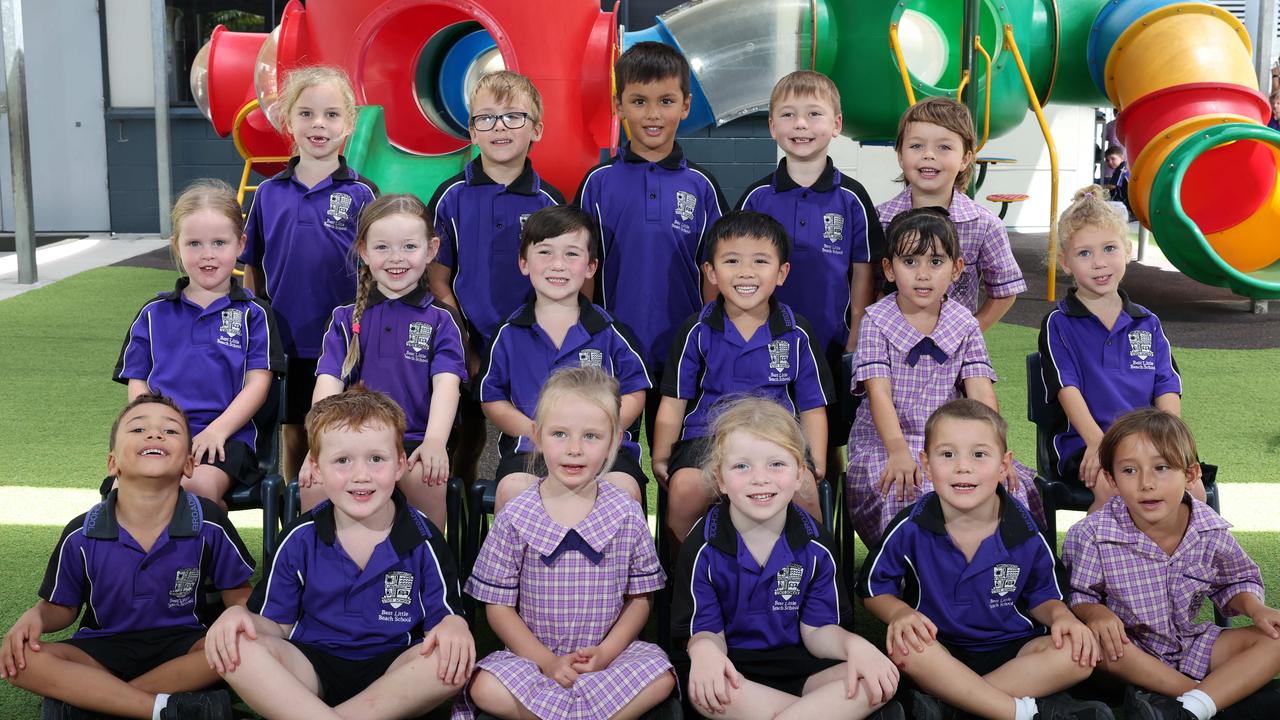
(1097, 191)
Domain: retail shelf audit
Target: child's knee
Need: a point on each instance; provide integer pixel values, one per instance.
(208, 482)
(490, 695)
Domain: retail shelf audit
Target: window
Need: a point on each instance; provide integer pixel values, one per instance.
(191, 22)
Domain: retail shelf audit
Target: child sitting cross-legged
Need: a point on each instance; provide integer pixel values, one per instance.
(358, 615)
(967, 585)
(1141, 568)
(138, 560)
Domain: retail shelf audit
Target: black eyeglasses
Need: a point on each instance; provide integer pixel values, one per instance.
(511, 120)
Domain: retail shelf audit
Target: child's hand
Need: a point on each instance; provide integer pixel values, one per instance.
(1090, 467)
(305, 478)
(1110, 631)
(561, 670)
(876, 670)
(209, 442)
(25, 632)
(907, 630)
(1084, 643)
(660, 466)
(900, 472)
(590, 659)
(457, 649)
(434, 460)
(711, 675)
(222, 641)
(1267, 620)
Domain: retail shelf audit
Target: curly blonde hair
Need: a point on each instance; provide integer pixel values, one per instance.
(302, 78)
(1091, 207)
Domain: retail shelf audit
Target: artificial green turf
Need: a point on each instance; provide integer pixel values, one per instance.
(63, 341)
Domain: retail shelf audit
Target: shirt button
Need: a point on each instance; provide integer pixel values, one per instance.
(1108, 343)
(498, 224)
(802, 223)
(388, 328)
(653, 196)
(804, 195)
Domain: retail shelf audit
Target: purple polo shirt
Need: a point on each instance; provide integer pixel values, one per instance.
(984, 245)
(404, 343)
(200, 356)
(479, 224)
(301, 239)
(1116, 370)
(522, 356)
(1158, 595)
(653, 220)
(832, 225)
(720, 587)
(979, 604)
(97, 563)
(408, 585)
(711, 360)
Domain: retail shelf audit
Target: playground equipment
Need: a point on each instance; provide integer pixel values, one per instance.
(1204, 170)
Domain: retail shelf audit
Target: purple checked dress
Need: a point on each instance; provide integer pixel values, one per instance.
(568, 584)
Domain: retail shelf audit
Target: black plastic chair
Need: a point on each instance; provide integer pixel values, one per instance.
(1057, 492)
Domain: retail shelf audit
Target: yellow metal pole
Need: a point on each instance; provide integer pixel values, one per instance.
(1053, 160)
(902, 64)
(986, 112)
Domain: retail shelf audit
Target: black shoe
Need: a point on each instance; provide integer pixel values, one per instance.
(209, 705)
(927, 707)
(1263, 703)
(57, 710)
(1143, 705)
(1061, 706)
(891, 710)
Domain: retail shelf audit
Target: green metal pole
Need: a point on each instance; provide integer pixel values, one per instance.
(968, 68)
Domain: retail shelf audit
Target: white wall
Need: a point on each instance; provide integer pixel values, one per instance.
(1072, 130)
(129, 53)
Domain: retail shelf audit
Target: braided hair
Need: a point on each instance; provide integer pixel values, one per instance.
(385, 206)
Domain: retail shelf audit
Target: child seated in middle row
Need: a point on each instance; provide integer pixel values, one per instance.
(746, 341)
(1101, 354)
(359, 611)
(758, 596)
(410, 346)
(968, 587)
(1141, 568)
(918, 350)
(558, 328)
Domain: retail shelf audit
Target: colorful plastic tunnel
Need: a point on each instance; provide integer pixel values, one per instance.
(1203, 172)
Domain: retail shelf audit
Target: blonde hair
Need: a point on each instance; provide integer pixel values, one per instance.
(1090, 207)
(383, 207)
(302, 78)
(356, 408)
(204, 194)
(508, 87)
(805, 84)
(591, 384)
(948, 115)
(760, 417)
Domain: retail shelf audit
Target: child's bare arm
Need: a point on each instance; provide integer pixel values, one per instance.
(981, 389)
(451, 639)
(511, 630)
(901, 470)
(813, 423)
(1077, 410)
(1064, 625)
(43, 617)
(222, 641)
(445, 392)
(992, 310)
(253, 279)
(864, 660)
(238, 595)
(632, 406)
(508, 418)
(1170, 403)
(711, 673)
(137, 386)
(666, 428)
(438, 281)
(635, 613)
(908, 628)
(1106, 625)
(1264, 618)
(211, 442)
(862, 292)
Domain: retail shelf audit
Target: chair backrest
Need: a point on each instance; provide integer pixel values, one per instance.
(266, 421)
(1047, 415)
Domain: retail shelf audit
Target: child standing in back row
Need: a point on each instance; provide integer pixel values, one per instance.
(654, 209)
(299, 232)
(397, 339)
(936, 145)
(209, 344)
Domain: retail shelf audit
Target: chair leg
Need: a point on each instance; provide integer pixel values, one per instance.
(826, 503)
(270, 489)
(1004, 208)
(453, 515)
(292, 503)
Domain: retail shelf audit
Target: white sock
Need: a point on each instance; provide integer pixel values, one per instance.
(1199, 704)
(1024, 708)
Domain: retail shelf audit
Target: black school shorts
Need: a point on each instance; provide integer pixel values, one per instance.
(785, 669)
(342, 679)
(129, 655)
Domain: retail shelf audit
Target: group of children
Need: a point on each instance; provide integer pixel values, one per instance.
(571, 323)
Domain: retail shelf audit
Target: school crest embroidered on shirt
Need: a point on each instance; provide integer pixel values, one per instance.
(229, 330)
(339, 210)
(686, 204)
(1005, 576)
(184, 581)
(832, 233)
(787, 583)
(419, 336)
(590, 357)
(1140, 344)
(779, 359)
(397, 588)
